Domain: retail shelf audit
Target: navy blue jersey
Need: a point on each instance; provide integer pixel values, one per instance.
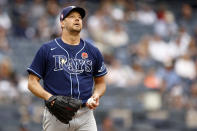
(68, 69)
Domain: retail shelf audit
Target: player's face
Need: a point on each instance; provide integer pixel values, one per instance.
(73, 22)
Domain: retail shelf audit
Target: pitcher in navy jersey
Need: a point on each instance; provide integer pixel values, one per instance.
(69, 66)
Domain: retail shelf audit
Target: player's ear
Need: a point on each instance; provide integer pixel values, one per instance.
(62, 23)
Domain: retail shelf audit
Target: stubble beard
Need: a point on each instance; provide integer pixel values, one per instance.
(74, 30)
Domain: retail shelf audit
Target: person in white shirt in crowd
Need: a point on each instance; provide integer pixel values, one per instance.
(5, 20)
(146, 15)
(117, 37)
(166, 27)
(119, 74)
(179, 46)
(158, 49)
(96, 25)
(185, 67)
(37, 9)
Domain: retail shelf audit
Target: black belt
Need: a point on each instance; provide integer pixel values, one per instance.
(83, 105)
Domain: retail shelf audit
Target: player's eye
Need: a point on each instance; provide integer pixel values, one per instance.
(71, 16)
(80, 17)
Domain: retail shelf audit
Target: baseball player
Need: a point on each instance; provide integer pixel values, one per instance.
(69, 66)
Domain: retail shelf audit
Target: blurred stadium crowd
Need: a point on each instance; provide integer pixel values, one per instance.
(150, 50)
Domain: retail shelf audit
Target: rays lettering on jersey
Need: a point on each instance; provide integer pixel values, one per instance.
(72, 66)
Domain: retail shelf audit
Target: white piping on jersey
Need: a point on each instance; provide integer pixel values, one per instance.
(76, 74)
(78, 85)
(71, 88)
(102, 73)
(80, 50)
(34, 72)
(62, 47)
(92, 84)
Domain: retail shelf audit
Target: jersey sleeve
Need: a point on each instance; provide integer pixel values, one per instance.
(38, 64)
(99, 68)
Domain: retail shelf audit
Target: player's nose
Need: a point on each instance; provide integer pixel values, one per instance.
(77, 19)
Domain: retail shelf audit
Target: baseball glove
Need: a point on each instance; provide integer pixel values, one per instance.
(63, 107)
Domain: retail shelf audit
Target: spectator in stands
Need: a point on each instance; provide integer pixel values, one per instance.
(192, 48)
(4, 45)
(152, 80)
(21, 26)
(43, 28)
(37, 9)
(146, 15)
(130, 11)
(118, 10)
(139, 53)
(19, 8)
(195, 37)
(165, 25)
(97, 25)
(158, 49)
(179, 46)
(168, 75)
(5, 69)
(8, 81)
(185, 67)
(52, 10)
(5, 21)
(119, 75)
(186, 17)
(192, 101)
(137, 75)
(20, 18)
(107, 125)
(117, 37)
(22, 85)
(177, 98)
(23, 128)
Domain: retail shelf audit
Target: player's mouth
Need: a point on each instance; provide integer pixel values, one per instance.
(76, 24)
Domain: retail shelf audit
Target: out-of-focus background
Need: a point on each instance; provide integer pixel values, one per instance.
(150, 50)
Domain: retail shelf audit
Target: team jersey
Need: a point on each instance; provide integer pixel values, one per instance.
(68, 70)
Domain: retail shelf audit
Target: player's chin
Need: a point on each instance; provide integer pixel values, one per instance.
(77, 29)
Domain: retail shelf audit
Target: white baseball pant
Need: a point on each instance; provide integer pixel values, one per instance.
(83, 121)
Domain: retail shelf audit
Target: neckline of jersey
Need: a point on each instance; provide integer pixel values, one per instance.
(71, 47)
